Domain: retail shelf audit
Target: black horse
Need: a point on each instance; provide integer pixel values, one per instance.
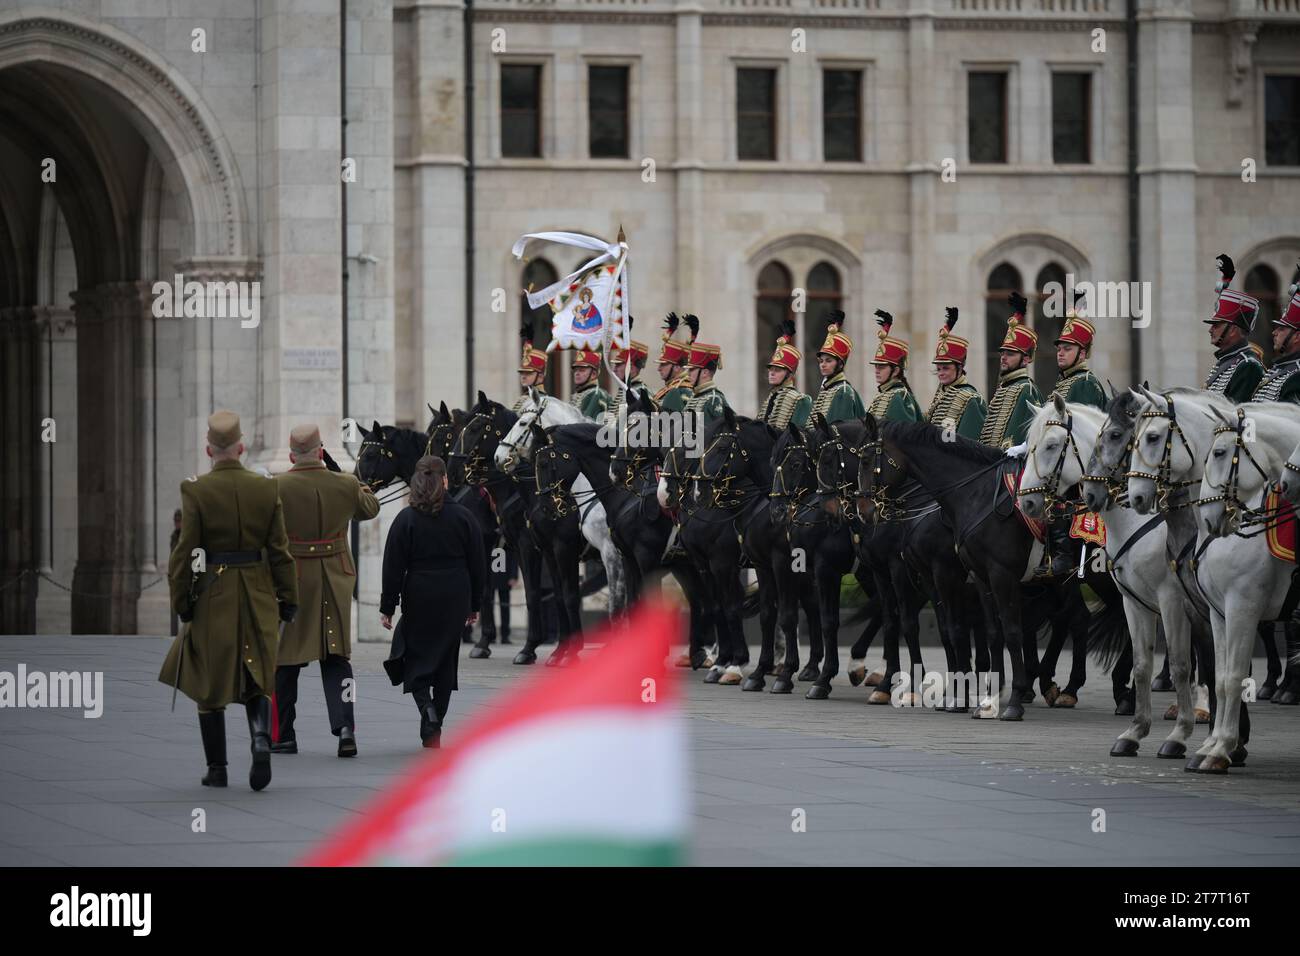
(967, 480)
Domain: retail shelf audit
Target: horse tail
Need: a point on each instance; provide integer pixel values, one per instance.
(1108, 635)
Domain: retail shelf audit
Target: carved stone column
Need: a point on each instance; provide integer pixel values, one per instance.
(56, 466)
(20, 437)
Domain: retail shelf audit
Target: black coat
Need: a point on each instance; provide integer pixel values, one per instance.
(436, 567)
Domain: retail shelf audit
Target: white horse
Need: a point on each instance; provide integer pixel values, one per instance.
(1069, 443)
(1242, 580)
(517, 448)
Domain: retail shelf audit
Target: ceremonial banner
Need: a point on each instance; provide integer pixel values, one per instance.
(582, 765)
(591, 305)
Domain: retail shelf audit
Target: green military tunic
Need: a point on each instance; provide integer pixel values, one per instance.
(1236, 374)
(959, 403)
(1078, 384)
(319, 505)
(522, 400)
(591, 400)
(1009, 413)
(895, 403)
(227, 653)
(709, 401)
(620, 401)
(786, 405)
(1282, 382)
(674, 396)
(839, 401)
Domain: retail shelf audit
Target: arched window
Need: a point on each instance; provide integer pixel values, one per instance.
(538, 274)
(1047, 327)
(1262, 283)
(825, 295)
(1003, 280)
(773, 305)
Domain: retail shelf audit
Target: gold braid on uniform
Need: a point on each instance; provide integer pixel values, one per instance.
(948, 403)
(1000, 408)
(780, 406)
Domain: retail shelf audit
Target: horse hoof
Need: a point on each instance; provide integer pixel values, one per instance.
(1162, 683)
(873, 679)
(1286, 697)
(714, 675)
(556, 659)
(683, 661)
(1202, 715)
(811, 672)
(478, 652)
(523, 657)
(1172, 750)
(1238, 757)
(1012, 712)
(857, 675)
(1123, 747)
(1066, 702)
(957, 709)
(1172, 712)
(783, 685)
(1266, 691)
(1027, 696)
(1051, 694)
(881, 697)
(1194, 763)
(755, 682)
(818, 692)
(1125, 708)
(732, 675)
(1214, 764)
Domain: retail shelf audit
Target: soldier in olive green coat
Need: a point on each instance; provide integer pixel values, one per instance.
(319, 507)
(588, 397)
(1077, 383)
(957, 403)
(1010, 410)
(672, 361)
(227, 653)
(785, 404)
(706, 397)
(895, 401)
(837, 400)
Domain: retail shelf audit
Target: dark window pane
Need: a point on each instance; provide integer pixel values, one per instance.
(841, 114)
(756, 114)
(1262, 283)
(1048, 328)
(773, 305)
(1070, 117)
(521, 110)
(607, 99)
(987, 122)
(539, 274)
(1282, 120)
(1002, 281)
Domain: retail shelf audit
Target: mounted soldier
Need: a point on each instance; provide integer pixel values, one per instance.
(232, 519)
(1010, 410)
(785, 404)
(629, 363)
(588, 397)
(532, 368)
(957, 403)
(837, 400)
(894, 402)
(1073, 347)
(1237, 369)
(673, 357)
(705, 360)
(1282, 382)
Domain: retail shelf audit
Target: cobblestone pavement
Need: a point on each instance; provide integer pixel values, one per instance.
(874, 785)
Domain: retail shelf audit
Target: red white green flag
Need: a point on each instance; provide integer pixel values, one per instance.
(582, 765)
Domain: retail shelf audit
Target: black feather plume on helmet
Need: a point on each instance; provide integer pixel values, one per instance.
(1019, 304)
(787, 332)
(692, 322)
(1226, 272)
(949, 317)
(526, 333)
(884, 320)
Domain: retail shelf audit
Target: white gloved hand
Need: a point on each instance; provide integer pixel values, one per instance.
(1018, 451)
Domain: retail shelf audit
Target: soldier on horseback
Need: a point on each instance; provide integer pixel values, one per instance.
(629, 363)
(1010, 409)
(1282, 382)
(957, 403)
(894, 402)
(588, 397)
(785, 404)
(704, 362)
(837, 400)
(1237, 371)
(532, 368)
(672, 360)
(1073, 346)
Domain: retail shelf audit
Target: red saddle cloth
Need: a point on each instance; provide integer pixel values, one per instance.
(1012, 480)
(1281, 527)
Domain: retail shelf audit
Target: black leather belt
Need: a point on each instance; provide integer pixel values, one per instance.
(230, 558)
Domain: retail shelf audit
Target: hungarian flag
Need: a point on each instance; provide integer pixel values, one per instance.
(583, 765)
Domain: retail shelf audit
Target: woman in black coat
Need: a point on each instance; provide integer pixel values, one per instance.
(435, 565)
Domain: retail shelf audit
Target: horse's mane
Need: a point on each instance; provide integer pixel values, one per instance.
(922, 433)
(581, 431)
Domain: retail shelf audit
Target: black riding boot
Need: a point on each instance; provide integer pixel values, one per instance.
(430, 724)
(212, 728)
(1063, 549)
(259, 729)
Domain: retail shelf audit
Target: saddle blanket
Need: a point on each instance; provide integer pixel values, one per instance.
(1281, 531)
(1011, 478)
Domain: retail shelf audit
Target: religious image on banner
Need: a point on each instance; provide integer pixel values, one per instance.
(590, 306)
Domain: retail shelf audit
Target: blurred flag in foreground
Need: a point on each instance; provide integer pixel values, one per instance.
(581, 765)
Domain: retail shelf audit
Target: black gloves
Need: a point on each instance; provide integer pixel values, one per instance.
(288, 612)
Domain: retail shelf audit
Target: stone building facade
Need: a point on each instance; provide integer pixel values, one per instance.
(208, 139)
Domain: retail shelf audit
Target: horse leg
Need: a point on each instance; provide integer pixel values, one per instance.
(806, 582)
(828, 605)
(768, 600)
(1235, 652)
(910, 601)
(1142, 635)
(789, 589)
(530, 571)
(1006, 591)
(1178, 655)
(1268, 636)
(891, 623)
(726, 572)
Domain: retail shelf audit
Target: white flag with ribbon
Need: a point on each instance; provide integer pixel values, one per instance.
(591, 305)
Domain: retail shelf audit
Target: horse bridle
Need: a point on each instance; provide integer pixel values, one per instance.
(847, 502)
(1116, 489)
(1232, 503)
(883, 505)
(476, 468)
(1164, 487)
(536, 413)
(719, 484)
(1051, 485)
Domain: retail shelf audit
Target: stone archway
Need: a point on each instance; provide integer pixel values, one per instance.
(108, 109)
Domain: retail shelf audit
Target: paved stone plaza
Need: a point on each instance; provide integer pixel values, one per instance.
(879, 786)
